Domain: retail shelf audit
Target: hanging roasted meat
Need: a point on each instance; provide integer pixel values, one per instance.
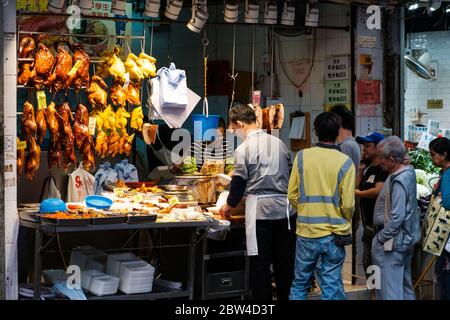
(79, 78)
(101, 144)
(42, 67)
(20, 157)
(26, 48)
(64, 63)
(68, 138)
(147, 64)
(33, 160)
(125, 142)
(41, 125)
(113, 143)
(97, 95)
(29, 126)
(83, 139)
(118, 95)
(133, 94)
(116, 67)
(133, 68)
(29, 129)
(273, 117)
(53, 121)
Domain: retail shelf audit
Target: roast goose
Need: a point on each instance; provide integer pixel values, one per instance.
(83, 139)
(79, 78)
(68, 139)
(272, 117)
(26, 48)
(43, 64)
(53, 125)
(29, 129)
(59, 79)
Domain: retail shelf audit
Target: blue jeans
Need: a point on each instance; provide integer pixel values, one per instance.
(332, 257)
(443, 275)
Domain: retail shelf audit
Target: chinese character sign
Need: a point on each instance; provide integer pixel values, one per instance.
(337, 92)
(369, 92)
(338, 68)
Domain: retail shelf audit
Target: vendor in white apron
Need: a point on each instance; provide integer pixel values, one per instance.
(261, 173)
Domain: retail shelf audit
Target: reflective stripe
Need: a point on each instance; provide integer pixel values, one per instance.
(335, 199)
(321, 220)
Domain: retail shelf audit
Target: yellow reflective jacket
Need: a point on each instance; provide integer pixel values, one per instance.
(322, 189)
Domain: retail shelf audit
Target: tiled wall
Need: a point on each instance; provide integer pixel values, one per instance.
(419, 90)
(184, 47)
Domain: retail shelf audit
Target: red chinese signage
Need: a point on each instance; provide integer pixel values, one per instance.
(369, 92)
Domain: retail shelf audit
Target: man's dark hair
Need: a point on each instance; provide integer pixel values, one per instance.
(327, 126)
(241, 112)
(348, 121)
(441, 146)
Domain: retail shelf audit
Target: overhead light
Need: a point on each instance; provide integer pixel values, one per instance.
(55, 6)
(413, 7)
(288, 15)
(152, 8)
(118, 7)
(422, 66)
(199, 15)
(251, 11)
(231, 11)
(270, 12)
(173, 9)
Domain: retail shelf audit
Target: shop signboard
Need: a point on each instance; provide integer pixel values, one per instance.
(32, 5)
(369, 92)
(337, 92)
(435, 104)
(338, 68)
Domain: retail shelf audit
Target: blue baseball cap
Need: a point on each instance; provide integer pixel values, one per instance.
(373, 137)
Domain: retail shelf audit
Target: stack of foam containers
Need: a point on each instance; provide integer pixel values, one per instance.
(88, 258)
(114, 261)
(136, 277)
(99, 283)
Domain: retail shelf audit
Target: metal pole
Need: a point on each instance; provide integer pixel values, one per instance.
(37, 263)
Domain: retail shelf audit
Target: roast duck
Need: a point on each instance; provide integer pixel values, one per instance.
(68, 138)
(83, 139)
(59, 79)
(80, 77)
(118, 95)
(43, 64)
(26, 49)
(53, 121)
(133, 94)
(29, 130)
(272, 117)
(97, 95)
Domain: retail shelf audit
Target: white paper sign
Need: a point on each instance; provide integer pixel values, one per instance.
(338, 68)
(425, 140)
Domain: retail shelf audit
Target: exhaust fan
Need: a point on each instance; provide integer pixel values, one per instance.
(421, 66)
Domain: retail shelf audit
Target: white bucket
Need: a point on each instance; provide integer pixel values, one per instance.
(173, 9)
(56, 6)
(288, 15)
(270, 14)
(231, 13)
(252, 13)
(118, 7)
(86, 6)
(198, 21)
(152, 8)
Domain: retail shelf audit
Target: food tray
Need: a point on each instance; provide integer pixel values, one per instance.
(113, 219)
(65, 222)
(29, 215)
(132, 218)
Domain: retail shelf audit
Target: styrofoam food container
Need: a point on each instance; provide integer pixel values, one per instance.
(115, 260)
(104, 285)
(86, 277)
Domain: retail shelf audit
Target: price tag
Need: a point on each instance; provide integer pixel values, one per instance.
(127, 80)
(75, 68)
(41, 99)
(92, 122)
(21, 145)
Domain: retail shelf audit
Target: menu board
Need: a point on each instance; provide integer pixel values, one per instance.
(338, 68)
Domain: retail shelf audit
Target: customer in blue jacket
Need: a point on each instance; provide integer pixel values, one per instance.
(396, 216)
(440, 154)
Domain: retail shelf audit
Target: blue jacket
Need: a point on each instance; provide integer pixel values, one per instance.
(404, 222)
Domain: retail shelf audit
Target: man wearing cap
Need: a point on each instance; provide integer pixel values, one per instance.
(370, 181)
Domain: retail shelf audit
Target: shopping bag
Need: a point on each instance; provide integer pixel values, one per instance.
(437, 227)
(104, 176)
(81, 184)
(49, 189)
(126, 171)
(173, 87)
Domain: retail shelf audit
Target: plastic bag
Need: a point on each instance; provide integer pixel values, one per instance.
(81, 184)
(49, 190)
(126, 171)
(104, 175)
(173, 87)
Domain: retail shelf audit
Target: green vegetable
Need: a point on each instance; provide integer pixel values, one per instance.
(421, 159)
(229, 165)
(189, 165)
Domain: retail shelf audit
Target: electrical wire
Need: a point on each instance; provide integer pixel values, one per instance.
(283, 66)
(61, 252)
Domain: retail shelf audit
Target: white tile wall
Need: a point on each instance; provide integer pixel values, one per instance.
(418, 90)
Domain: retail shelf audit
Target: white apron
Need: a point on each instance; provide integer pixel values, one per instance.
(251, 206)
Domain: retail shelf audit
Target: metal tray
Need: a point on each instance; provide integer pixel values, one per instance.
(65, 222)
(142, 218)
(118, 219)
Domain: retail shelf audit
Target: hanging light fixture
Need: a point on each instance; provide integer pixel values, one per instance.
(173, 9)
(270, 12)
(199, 15)
(152, 8)
(251, 11)
(118, 7)
(231, 11)
(288, 14)
(56, 6)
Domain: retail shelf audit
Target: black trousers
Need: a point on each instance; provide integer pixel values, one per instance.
(276, 245)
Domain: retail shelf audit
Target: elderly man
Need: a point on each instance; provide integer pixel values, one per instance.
(396, 217)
